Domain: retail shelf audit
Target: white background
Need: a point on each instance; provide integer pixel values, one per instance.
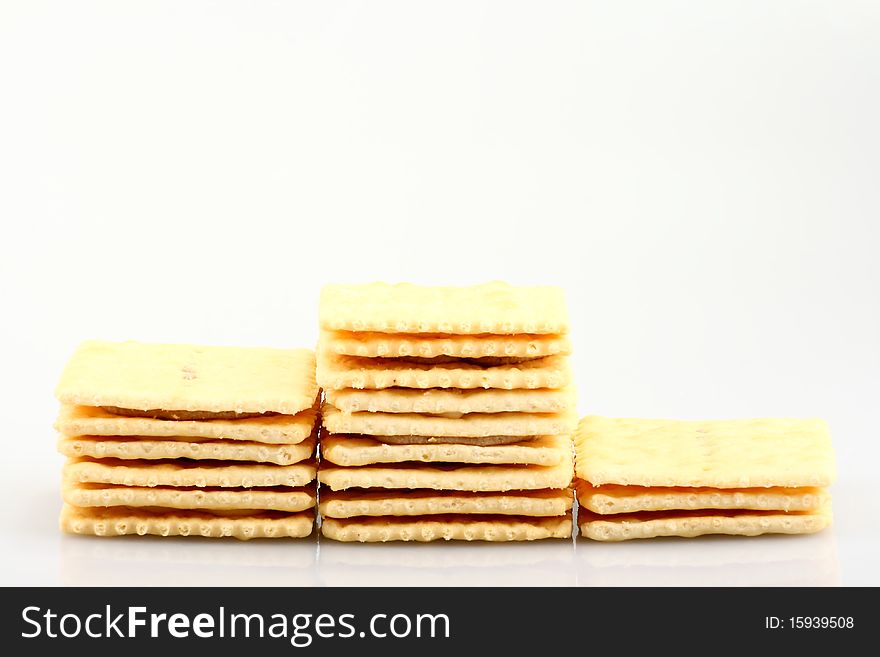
(701, 177)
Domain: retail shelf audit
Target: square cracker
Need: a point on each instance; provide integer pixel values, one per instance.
(218, 450)
(449, 477)
(609, 499)
(433, 400)
(184, 473)
(143, 376)
(494, 307)
(217, 499)
(274, 429)
(119, 521)
(470, 425)
(379, 502)
(452, 527)
(716, 453)
(688, 524)
(348, 450)
(397, 345)
(336, 372)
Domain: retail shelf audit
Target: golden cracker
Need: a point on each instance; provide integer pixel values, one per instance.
(452, 527)
(716, 453)
(120, 521)
(449, 477)
(609, 499)
(361, 450)
(392, 345)
(688, 524)
(337, 372)
(138, 375)
(268, 499)
(183, 473)
(217, 450)
(275, 429)
(495, 308)
(471, 424)
(378, 502)
(434, 401)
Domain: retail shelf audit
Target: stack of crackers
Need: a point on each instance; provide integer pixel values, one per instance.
(648, 478)
(448, 413)
(186, 440)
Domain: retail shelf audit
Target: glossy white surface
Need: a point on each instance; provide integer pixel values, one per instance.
(701, 177)
(842, 555)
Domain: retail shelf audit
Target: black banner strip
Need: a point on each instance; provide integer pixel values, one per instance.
(431, 620)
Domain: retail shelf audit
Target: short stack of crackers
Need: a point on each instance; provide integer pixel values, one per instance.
(650, 478)
(188, 440)
(448, 413)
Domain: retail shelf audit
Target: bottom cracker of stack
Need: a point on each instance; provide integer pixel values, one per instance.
(373, 491)
(653, 478)
(244, 525)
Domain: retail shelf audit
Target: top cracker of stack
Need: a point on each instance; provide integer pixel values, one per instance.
(449, 412)
(188, 440)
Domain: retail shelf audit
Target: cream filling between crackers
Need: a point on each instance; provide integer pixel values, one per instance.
(482, 361)
(163, 414)
(482, 441)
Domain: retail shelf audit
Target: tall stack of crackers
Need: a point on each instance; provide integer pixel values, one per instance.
(640, 478)
(447, 413)
(181, 440)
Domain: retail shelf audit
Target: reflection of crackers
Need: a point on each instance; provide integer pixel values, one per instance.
(189, 378)
(719, 454)
(495, 307)
(471, 424)
(220, 450)
(450, 477)
(119, 521)
(389, 345)
(362, 450)
(182, 473)
(409, 400)
(628, 499)
(348, 503)
(93, 421)
(335, 372)
(451, 527)
(270, 499)
(628, 526)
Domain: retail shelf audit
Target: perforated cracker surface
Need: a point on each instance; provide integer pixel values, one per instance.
(395, 345)
(718, 453)
(337, 372)
(448, 477)
(138, 375)
(688, 524)
(466, 528)
(183, 473)
(269, 499)
(472, 424)
(433, 401)
(120, 521)
(628, 499)
(379, 502)
(361, 450)
(496, 308)
(275, 429)
(220, 450)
